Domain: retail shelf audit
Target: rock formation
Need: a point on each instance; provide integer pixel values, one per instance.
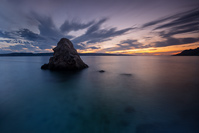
(65, 57)
(190, 52)
(101, 71)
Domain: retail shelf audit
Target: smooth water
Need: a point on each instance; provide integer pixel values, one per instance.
(135, 94)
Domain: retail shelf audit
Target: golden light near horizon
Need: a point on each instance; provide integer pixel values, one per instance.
(168, 50)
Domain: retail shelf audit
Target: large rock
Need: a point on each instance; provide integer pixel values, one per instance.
(190, 52)
(65, 57)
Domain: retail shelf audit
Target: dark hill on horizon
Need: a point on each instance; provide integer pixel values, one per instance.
(190, 52)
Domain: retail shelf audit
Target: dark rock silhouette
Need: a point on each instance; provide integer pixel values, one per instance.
(101, 71)
(65, 57)
(190, 52)
(45, 66)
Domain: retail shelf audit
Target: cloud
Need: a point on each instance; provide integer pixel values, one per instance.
(187, 28)
(46, 26)
(176, 19)
(93, 47)
(95, 34)
(2, 51)
(96, 26)
(20, 48)
(48, 31)
(21, 34)
(189, 17)
(127, 45)
(5, 34)
(155, 22)
(25, 37)
(181, 23)
(175, 41)
(82, 46)
(49, 34)
(68, 26)
(47, 37)
(29, 35)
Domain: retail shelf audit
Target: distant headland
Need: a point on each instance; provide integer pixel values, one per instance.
(190, 52)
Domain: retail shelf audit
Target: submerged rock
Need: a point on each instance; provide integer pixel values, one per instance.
(101, 71)
(65, 57)
(45, 66)
(126, 74)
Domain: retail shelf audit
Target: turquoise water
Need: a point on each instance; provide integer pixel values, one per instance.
(135, 94)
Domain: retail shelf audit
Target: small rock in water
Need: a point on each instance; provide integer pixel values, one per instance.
(101, 71)
(65, 57)
(45, 66)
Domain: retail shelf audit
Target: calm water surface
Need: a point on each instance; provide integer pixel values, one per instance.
(135, 94)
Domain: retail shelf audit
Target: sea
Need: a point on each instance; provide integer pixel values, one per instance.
(135, 94)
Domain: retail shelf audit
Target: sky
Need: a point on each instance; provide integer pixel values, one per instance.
(138, 27)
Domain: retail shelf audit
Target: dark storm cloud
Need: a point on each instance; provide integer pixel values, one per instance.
(68, 26)
(95, 34)
(175, 41)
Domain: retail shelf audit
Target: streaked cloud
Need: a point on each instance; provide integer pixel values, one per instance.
(95, 34)
(97, 25)
(49, 34)
(181, 23)
(68, 26)
(127, 45)
(175, 41)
